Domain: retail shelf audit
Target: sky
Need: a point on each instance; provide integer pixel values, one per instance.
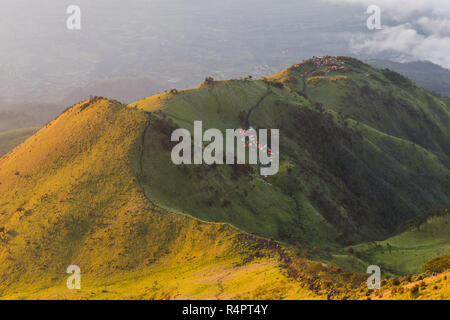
(164, 44)
(412, 30)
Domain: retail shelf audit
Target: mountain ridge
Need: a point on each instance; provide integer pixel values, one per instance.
(427, 74)
(96, 187)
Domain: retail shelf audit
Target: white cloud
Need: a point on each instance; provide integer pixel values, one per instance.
(435, 26)
(406, 41)
(413, 29)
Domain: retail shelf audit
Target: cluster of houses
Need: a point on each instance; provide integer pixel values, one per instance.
(330, 64)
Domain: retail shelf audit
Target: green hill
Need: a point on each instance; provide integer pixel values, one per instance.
(96, 187)
(71, 195)
(341, 180)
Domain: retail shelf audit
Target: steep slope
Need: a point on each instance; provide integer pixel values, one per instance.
(418, 287)
(341, 180)
(12, 138)
(26, 114)
(70, 195)
(429, 285)
(382, 99)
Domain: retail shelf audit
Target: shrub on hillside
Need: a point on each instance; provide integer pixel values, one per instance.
(226, 203)
(242, 117)
(439, 264)
(208, 80)
(414, 291)
(397, 78)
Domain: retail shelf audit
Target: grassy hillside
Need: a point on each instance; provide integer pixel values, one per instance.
(96, 188)
(417, 287)
(70, 195)
(424, 286)
(417, 242)
(12, 138)
(341, 180)
(382, 99)
(431, 283)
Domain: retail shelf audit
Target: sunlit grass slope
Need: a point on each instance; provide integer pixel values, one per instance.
(71, 195)
(432, 284)
(423, 286)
